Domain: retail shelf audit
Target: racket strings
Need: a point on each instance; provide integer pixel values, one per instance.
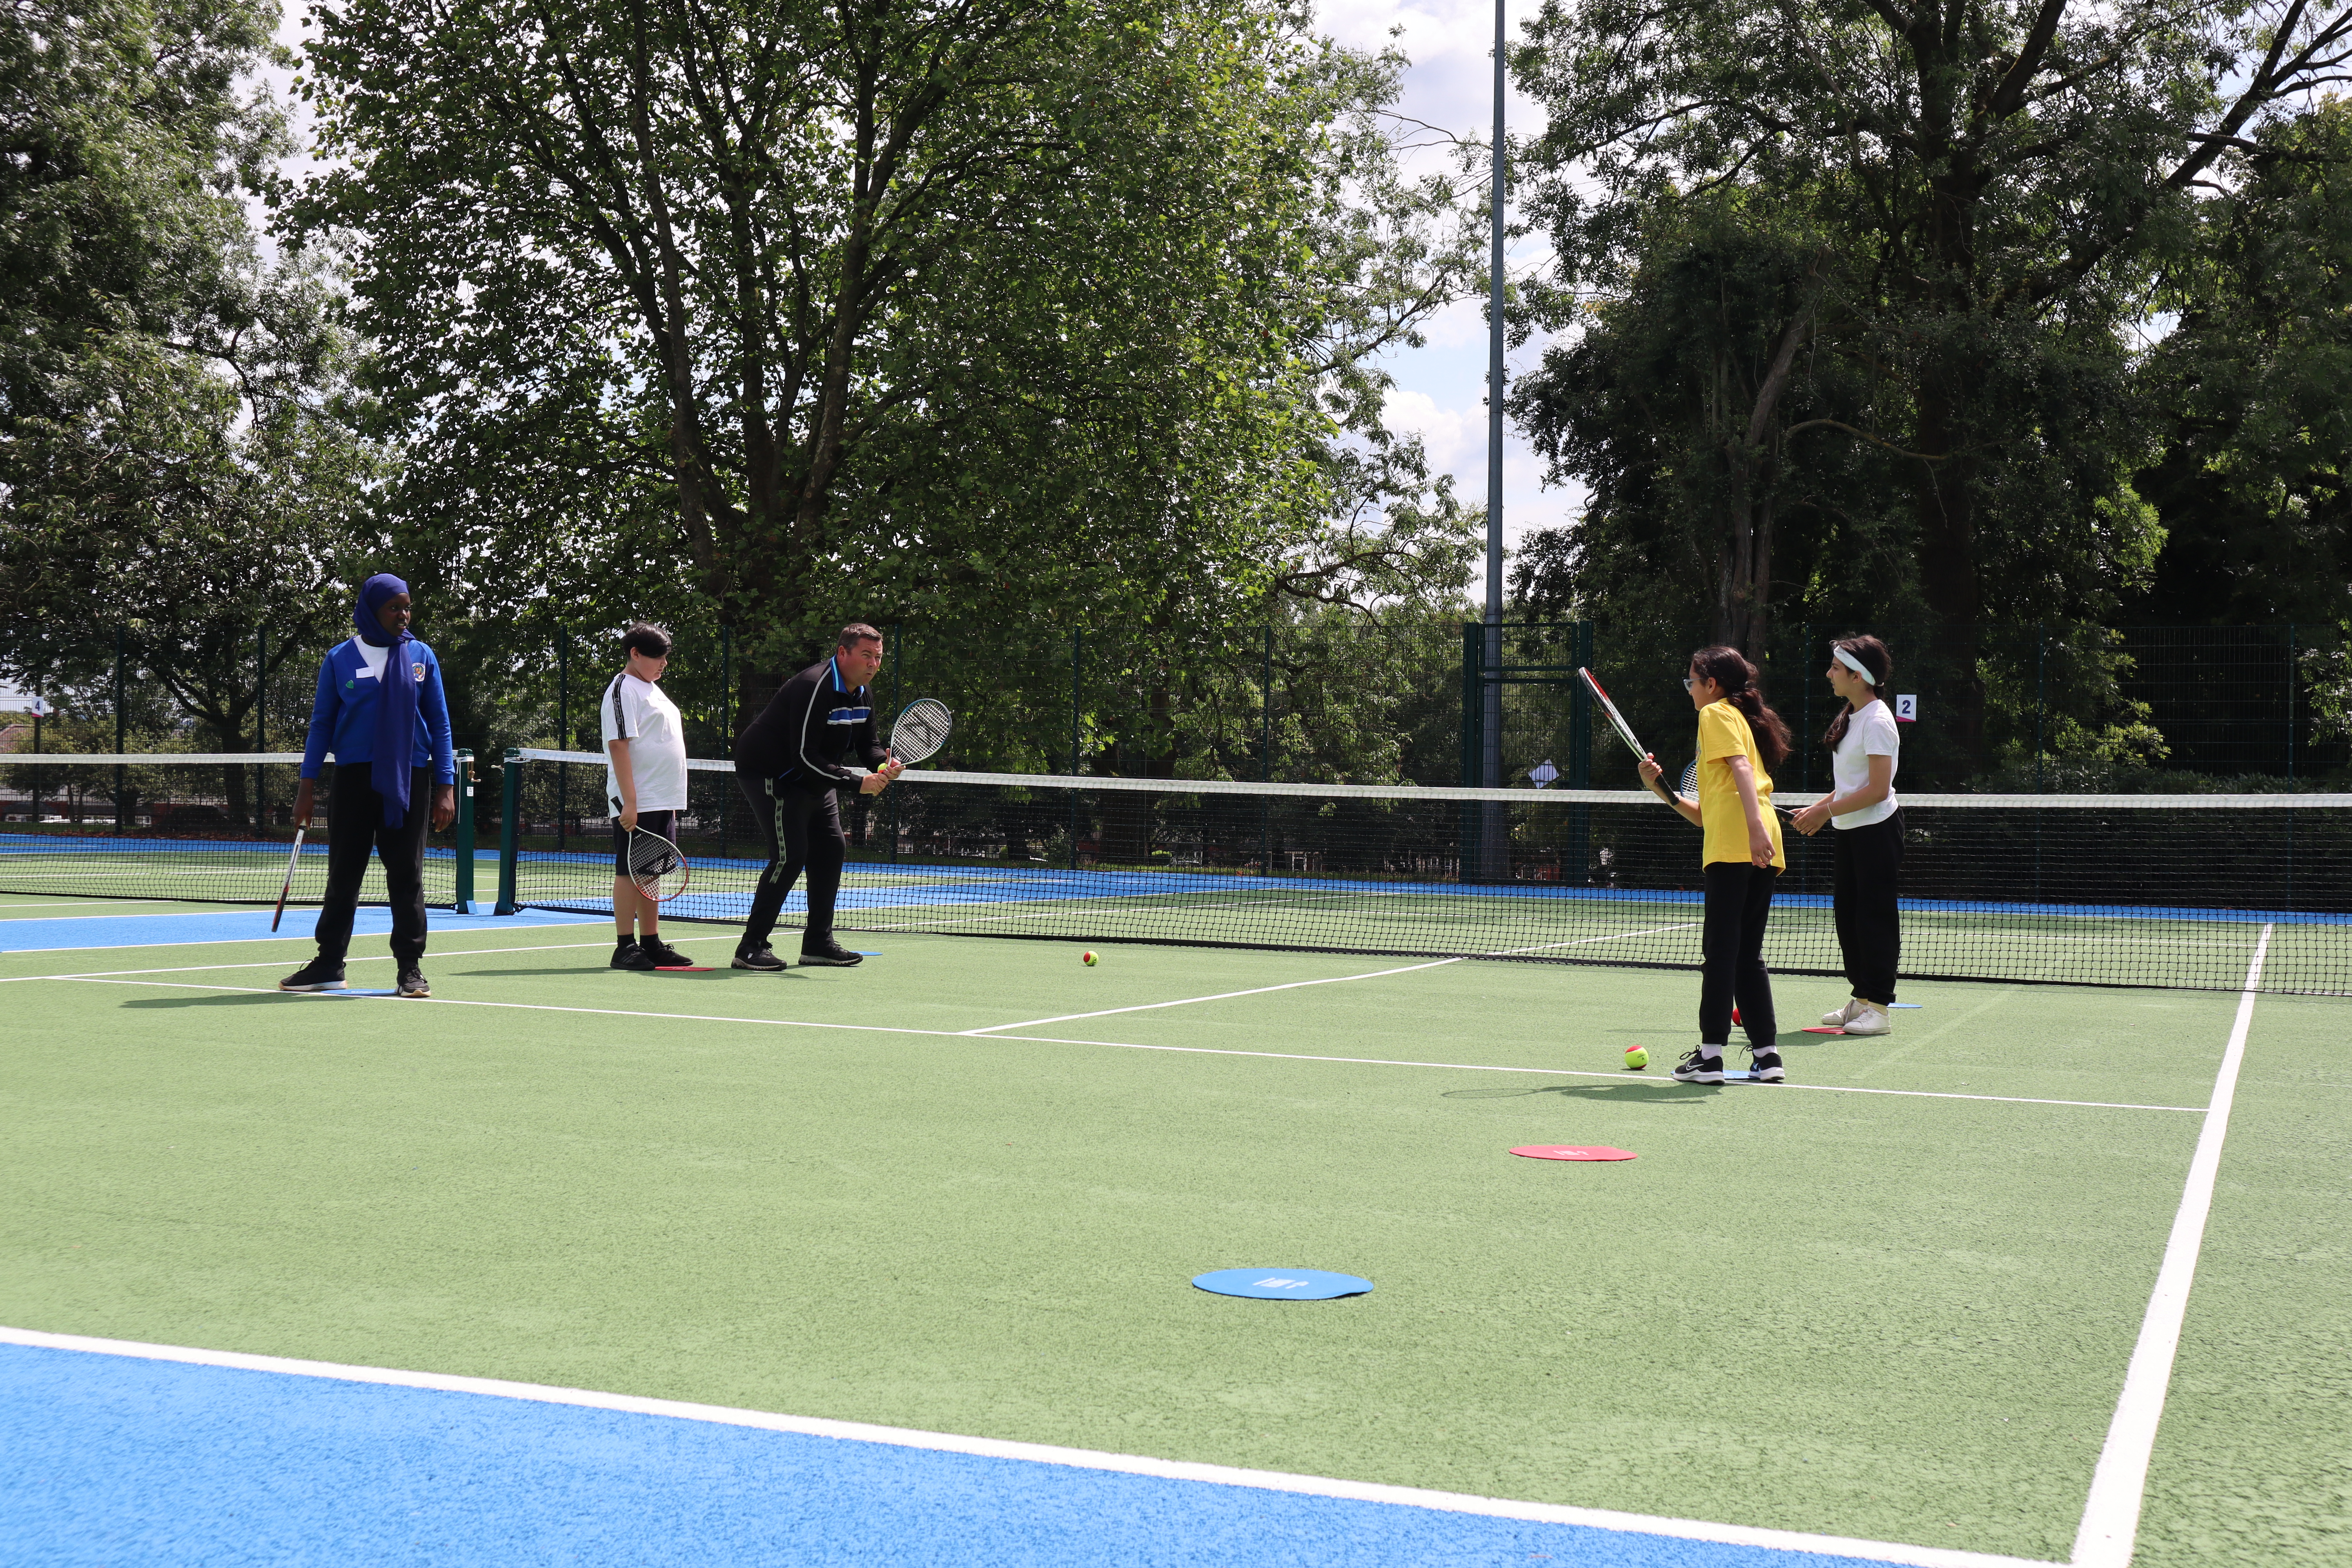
(655, 866)
(920, 730)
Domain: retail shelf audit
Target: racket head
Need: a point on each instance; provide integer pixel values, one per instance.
(1624, 730)
(1690, 780)
(655, 866)
(921, 728)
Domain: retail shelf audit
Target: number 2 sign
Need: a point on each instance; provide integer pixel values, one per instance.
(1907, 708)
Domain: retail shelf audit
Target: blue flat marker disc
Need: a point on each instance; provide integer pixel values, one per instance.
(347, 991)
(1282, 1284)
(1906, 1004)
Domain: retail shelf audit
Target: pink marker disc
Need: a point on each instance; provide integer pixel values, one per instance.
(1822, 1029)
(1573, 1151)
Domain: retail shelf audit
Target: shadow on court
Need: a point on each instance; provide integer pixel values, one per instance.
(1667, 1093)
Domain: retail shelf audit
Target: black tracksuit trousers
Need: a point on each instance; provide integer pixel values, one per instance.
(803, 832)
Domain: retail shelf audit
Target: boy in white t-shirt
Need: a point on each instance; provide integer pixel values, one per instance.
(645, 783)
(1863, 746)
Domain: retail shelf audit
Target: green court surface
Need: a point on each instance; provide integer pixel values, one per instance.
(1901, 1315)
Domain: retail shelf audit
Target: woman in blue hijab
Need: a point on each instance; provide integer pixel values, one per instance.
(380, 710)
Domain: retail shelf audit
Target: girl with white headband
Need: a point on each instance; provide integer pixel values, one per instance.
(1863, 745)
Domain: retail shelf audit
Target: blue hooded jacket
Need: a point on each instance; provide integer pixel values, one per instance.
(344, 714)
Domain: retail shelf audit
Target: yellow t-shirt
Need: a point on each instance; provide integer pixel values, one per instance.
(1723, 733)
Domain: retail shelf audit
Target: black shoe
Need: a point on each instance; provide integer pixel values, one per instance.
(628, 954)
(664, 955)
(761, 960)
(1764, 1067)
(318, 974)
(827, 954)
(1697, 1068)
(412, 983)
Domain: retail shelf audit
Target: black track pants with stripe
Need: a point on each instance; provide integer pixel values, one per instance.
(803, 832)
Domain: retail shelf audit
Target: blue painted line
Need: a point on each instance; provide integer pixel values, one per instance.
(109, 1459)
(239, 925)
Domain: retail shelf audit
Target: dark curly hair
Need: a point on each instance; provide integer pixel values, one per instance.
(1729, 669)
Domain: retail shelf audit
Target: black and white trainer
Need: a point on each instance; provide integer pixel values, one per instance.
(412, 982)
(628, 953)
(1697, 1068)
(1764, 1067)
(319, 974)
(824, 952)
(664, 955)
(761, 960)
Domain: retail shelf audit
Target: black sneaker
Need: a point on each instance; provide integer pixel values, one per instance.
(827, 954)
(412, 984)
(1697, 1068)
(1764, 1067)
(763, 960)
(628, 954)
(319, 974)
(664, 955)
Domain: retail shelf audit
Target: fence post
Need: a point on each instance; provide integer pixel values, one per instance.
(2290, 700)
(509, 829)
(260, 720)
(121, 775)
(462, 884)
(2041, 697)
(726, 727)
(562, 732)
(1078, 656)
(1474, 693)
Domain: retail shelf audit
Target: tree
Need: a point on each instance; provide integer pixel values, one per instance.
(2254, 383)
(980, 310)
(177, 454)
(2002, 175)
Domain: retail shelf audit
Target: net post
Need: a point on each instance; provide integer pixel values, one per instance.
(510, 830)
(462, 891)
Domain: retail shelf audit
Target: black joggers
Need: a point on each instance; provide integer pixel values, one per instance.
(354, 830)
(803, 831)
(1869, 922)
(1738, 902)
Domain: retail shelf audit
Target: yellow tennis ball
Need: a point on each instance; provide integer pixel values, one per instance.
(1636, 1058)
(1088, 958)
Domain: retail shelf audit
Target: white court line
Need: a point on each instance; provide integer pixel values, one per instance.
(1328, 980)
(1043, 1454)
(1050, 1040)
(281, 963)
(2120, 1486)
(266, 936)
(1221, 996)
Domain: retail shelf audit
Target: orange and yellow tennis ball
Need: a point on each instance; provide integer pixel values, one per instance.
(1636, 1058)
(1089, 957)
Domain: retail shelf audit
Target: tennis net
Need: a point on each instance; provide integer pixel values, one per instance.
(169, 826)
(2144, 891)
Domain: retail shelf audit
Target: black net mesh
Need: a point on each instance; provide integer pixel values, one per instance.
(2153, 890)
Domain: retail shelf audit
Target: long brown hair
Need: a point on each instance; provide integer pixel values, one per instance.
(1729, 669)
(1874, 658)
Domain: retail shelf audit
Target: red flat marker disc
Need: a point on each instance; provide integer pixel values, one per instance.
(1822, 1029)
(1573, 1151)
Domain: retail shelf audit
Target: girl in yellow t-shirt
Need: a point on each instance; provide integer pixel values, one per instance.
(1740, 742)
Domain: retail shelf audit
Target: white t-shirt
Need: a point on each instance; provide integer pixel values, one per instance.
(374, 658)
(638, 712)
(1868, 733)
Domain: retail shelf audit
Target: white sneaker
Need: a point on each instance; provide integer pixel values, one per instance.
(1868, 1020)
(1837, 1019)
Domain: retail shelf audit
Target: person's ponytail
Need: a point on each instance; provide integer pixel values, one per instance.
(1729, 669)
(1874, 658)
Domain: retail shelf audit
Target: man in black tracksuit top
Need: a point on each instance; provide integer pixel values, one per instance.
(789, 762)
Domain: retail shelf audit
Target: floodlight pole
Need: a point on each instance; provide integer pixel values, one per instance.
(1490, 729)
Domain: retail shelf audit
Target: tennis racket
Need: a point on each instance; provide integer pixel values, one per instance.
(287, 886)
(655, 866)
(920, 730)
(1625, 731)
(1690, 788)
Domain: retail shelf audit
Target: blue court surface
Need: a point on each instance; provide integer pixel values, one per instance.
(182, 928)
(118, 1458)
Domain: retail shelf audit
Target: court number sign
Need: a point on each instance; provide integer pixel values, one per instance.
(1907, 708)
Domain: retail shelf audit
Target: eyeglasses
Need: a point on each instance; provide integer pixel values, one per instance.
(1690, 683)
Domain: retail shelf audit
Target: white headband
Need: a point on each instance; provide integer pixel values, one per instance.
(1855, 665)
